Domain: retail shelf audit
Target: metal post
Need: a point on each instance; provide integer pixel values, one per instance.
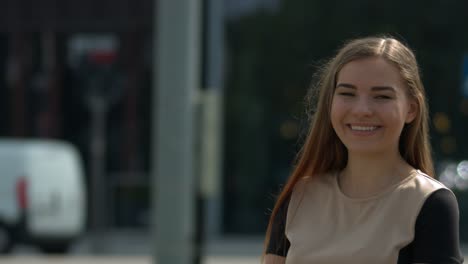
(211, 119)
(98, 107)
(176, 82)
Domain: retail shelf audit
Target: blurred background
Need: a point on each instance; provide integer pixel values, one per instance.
(84, 72)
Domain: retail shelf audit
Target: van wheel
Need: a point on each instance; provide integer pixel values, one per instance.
(6, 240)
(55, 248)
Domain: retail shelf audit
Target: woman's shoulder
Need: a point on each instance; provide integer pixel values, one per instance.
(423, 184)
(312, 187)
(416, 189)
(438, 195)
(323, 179)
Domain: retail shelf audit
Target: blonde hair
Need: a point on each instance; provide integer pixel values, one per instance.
(322, 150)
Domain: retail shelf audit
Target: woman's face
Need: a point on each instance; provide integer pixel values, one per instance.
(370, 106)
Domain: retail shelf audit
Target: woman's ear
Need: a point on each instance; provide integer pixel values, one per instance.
(412, 111)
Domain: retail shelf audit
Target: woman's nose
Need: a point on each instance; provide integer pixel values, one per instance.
(363, 107)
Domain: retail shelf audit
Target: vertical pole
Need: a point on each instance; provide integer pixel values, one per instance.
(18, 71)
(48, 120)
(177, 79)
(98, 107)
(211, 119)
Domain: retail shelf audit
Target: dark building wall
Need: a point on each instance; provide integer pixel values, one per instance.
(43, 95)
(75, 15)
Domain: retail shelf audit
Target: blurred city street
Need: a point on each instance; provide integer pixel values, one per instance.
(133, 247)
(125, 247)
(115, 260)
(189, 117)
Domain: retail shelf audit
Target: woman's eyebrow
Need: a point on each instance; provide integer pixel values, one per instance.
(383, 88)
(373, 88)
(346, 85)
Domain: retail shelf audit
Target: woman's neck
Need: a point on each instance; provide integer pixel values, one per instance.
(365, 176)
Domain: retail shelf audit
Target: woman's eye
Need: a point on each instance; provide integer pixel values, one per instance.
(346, 94)
(383, 97)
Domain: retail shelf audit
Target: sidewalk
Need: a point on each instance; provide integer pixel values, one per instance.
(137, 243)
(133, 246)
(111, 260)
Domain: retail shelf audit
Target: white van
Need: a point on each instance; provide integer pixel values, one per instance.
(42, 194)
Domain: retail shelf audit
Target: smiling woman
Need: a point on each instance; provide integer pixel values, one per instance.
(370, 107)
(363, 189)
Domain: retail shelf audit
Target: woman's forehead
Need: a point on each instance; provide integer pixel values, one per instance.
(370, 72)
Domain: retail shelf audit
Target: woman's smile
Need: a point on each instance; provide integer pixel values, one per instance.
(370, 106)
(363, 129)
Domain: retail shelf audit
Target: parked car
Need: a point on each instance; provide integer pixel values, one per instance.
(42, 194)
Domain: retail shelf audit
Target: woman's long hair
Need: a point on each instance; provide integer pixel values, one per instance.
(322, 150)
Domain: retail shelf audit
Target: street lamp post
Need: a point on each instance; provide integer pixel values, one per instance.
(177, 37)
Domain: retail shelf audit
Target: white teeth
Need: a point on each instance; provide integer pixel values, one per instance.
(363, 128)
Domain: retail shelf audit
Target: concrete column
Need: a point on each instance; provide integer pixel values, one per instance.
(177, 69)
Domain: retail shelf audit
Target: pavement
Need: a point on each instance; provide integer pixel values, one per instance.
(113, 260)
(134, 247)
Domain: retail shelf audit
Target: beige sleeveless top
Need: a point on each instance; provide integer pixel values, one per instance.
(325, 226)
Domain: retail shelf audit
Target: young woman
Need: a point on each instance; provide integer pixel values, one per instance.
(362, 190)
